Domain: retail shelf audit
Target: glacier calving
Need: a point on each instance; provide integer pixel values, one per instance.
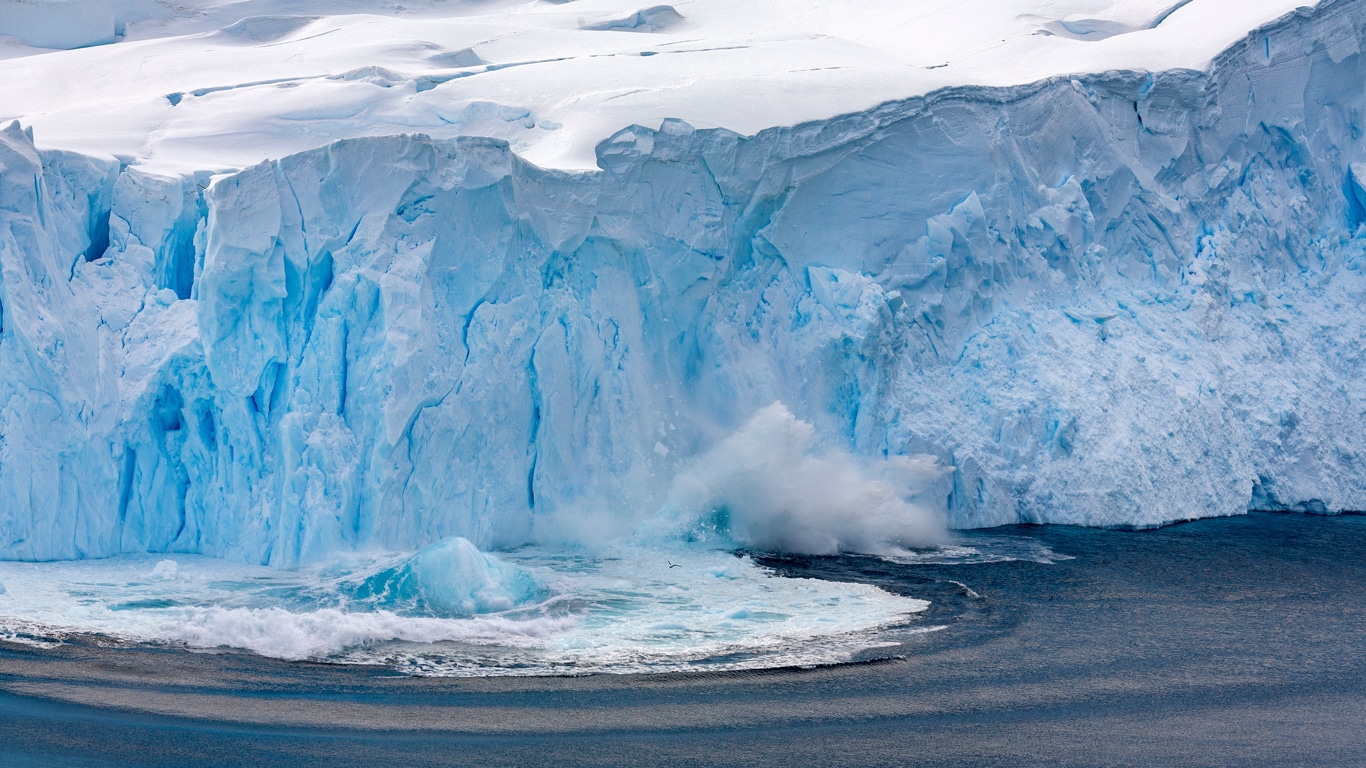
(1114, 299)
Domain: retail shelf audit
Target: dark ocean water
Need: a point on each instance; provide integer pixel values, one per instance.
(1237, 641)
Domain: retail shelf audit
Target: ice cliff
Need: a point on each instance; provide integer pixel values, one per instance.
(1115, 299)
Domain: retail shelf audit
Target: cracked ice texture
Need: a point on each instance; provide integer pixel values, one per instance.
(1118, 299)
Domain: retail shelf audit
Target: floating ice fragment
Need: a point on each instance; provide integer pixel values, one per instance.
(451, 578)
(166, 570)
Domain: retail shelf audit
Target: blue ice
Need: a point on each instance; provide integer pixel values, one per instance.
(1119, 299)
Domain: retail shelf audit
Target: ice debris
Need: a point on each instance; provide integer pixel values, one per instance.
(448, 579)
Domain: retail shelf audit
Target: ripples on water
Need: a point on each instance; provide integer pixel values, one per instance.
(635, 610)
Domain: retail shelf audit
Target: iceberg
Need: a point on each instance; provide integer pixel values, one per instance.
(1116, 299)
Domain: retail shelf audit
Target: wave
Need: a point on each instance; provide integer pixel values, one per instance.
(635, 609)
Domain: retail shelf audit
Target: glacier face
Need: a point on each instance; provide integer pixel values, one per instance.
(1118, 299)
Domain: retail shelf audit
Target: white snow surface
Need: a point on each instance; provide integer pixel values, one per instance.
(203, 85)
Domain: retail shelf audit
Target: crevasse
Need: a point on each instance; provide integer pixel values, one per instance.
(1117, 299)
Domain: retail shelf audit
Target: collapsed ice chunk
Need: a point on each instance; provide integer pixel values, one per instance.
(448, 579)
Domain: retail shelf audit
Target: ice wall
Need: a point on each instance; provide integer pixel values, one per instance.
(1119, 299)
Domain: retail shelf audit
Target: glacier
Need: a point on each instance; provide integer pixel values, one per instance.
(1116, 299)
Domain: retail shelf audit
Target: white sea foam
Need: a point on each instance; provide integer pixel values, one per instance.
(975, 549)
(634, 610)
(321, 633)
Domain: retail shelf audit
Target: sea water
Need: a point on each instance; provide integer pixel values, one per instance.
(624, 610)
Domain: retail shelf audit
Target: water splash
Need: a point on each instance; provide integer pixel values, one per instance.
(767, 487)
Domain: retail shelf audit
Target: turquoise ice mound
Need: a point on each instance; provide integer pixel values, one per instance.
(448, 579)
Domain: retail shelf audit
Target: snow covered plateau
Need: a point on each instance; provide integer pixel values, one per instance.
(277, 284)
